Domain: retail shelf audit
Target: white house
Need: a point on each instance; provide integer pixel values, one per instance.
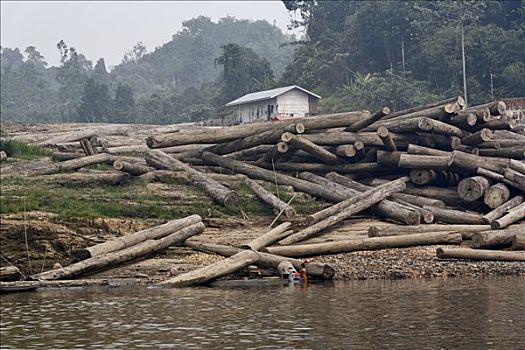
(281, 103)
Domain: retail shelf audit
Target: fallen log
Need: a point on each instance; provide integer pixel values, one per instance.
(10, 273)
(130, 240)
(355, 205)
(479, 254)
(345, 151)
(387, 139)
(217, 192)
(136, 251)
(471, 162)
(131, 168)
(375, 243)
(517, 165)
(496, 195)
(212, 272)
(310, 147)
(439, 104)
(496, 239)
(455, 216)
(438, 112)
(517, 152)
(502, 209)
(518, 241)
(314, 269)
(515, 177)
(272, 236)
(98, 178)
(3, 156)
(323, 168)
(372, 118)
(513, 215)
(478, 137)
(251, 152)
(270, 199)
(426, 151)
(423, 162)
(465, 230)
(472, 188)
(430, 177)
(275, 153)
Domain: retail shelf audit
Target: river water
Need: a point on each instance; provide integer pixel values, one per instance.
(408, 314)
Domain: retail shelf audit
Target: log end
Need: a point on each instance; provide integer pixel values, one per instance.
(290, 212)
(382, 132)
(81, 254)
(299, 128)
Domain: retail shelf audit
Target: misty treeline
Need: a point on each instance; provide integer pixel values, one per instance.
(356, 54)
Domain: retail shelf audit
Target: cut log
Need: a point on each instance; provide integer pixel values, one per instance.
(413, 161)
(439, 104)
(496, 107)
(472, 188)
(374, 117)
(353, 245)
(482, 135)
(345, 151)
(10, 273)
(388, 159)
(131, 168)
(134, 252)
(438, 112)
(212, 272)
(503, 208)
(515, 177)
(384, 231)
(455, 216)
(272, 236)
(356, 204)
(387, 139)
(496, 195)
(518, 241)
(423, 124)
(310, 147)
(130, 240)
(275, 153)
(336, 138)
(428, 177)
(217, 192)
(88, 148)
(479, 254)
(3, 156)
(251, 152)
(507, 152)
(470, 162)
(94, 178)
(496, 239)
(518, 166)
(314, 269)
(426, 151)
(270, 199)
(464, 119)
(514, 215)
(490, 174)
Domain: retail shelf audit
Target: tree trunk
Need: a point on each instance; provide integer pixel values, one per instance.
(472, 188)
(9, 273)
(345, 151)
(387, 139)
(136, 251)
(3, 156)
(353, 245)
(98, 178)
(518, 166)
(336, 138)
(496, 195)
(275, 153)
(478, 137)
(502, 209)
(439, 104)
(212, 272)
(251, 152)
(479, 254)
(430, 177)
(384, 231)
(451, 216)
(272, 236)
(314, 269)
(310, 147)
(471, 162)
(131, 168)
(426, 151)
(433, 112)
(412, 161)
(357, 204)
(518, 242)
(130, 240)
(514, 215)
(507, 152)
(217, 192)
(496, 239)
(368, 120)
(270, 199)
(516, 178)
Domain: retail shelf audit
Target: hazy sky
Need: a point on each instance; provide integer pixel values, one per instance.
(109, 28)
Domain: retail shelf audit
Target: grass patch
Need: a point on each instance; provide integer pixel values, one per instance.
(21, 150)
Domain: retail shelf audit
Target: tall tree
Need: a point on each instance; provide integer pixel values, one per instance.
(124, 104)
(95, 105)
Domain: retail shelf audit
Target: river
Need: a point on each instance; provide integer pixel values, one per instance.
(452, 313)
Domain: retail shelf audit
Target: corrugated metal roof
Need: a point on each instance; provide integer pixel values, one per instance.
(266, 95)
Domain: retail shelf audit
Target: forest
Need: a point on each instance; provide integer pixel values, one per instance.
(356, 54)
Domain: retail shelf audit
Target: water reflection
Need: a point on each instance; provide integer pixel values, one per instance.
(436, 314)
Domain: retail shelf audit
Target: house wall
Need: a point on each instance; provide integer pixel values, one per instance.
(293, 103)
(251, 112)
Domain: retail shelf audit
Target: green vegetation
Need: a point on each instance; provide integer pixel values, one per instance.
(20, 150)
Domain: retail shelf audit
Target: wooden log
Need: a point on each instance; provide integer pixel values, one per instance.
(455, 216)
(503, 208)
(438, 141)
(323, 168)
(130, 240)
(94, 178)
(479, 254)
(439, 104)
(3, 156)
(345, 151)
(275, 153)
(131, 168)
(384, 231)
(440, 177)
(270, 199)
(464, 119)
(272, 236)
(426, 151)
(372, 118)
(134, 252)
(388, 159)
(518, 166)
(356, 204)
(478, 137)
(515, 177)
(472, 188)
(496, 195)
(251, 152)
(135, 149)
(387, 139)
(496, 239)
(507, 152)
(75, 164)
(352, 189)
(360, 244)
(336, 138)
(490, 174)
(493, 124)
(470, 162)
(87, 147)
(314, 269)
(10, 273)
(212, 272)
(413, 161)
(217, 192)
(496, 107)
(518, 241)
(426, 215)
(310, 147)
(513, 215)
(437, 112)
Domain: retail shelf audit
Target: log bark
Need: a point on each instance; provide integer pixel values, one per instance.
(429, 177)
(131, 168)
(455, 216)
(136, 251)
(515, 177)
(251, 152)
(270, 199)
(464, 119)
(518, 166)
(272, 236)
(345, 151)
(3, 156)
(217, 192)
(472, 188)
(212, 272)
(503, 208)
(310, 147)
(336, 138)
(496, 107)
(496, 239)
(412, 161)
(514, 215)
(426, 151)
(353, 245)
(479, 254)
(465, 230)
(434, 113)
(374, 117)
(357, 204)
(478, 137)
(388, 159)
(98, 178)
(323, 168)
(518, 241)
(496, 195)
(130, 240)
(387, 139)
(275, 153)
(507, 152)
(439, 104)
(314, 269)
(10, 273)
(470, 162)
